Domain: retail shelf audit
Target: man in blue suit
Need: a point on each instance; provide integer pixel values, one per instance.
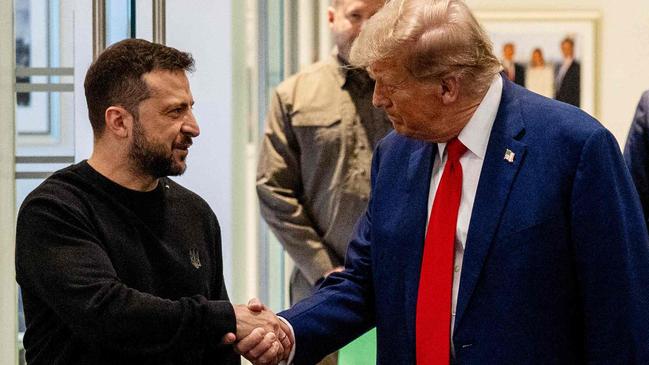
(519, 206)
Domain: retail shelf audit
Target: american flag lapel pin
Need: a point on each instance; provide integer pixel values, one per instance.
(509, 155)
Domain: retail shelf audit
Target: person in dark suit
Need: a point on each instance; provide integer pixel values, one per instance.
(503, 227)
(512, 69)
(568, 81)
(636, 151)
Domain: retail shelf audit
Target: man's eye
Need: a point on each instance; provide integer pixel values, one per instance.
(355, 16)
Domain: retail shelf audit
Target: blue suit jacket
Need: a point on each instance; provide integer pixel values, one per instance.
(636, 151)
(556, 266)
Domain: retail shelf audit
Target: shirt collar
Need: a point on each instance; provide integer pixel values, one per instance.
(475, 135)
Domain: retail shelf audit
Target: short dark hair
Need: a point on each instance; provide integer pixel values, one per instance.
(115, 77)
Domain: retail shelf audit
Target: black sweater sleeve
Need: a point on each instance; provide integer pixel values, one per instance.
(61, 261)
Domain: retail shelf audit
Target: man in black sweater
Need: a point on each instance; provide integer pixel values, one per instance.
(117, 263)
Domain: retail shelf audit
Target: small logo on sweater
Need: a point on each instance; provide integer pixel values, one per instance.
(195, 258)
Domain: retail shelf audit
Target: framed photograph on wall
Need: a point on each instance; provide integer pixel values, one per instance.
(552, 53)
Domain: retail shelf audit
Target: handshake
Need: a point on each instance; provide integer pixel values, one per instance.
(261, 337)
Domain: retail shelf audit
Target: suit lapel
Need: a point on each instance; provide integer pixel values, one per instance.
(420, 167)
(495, 183)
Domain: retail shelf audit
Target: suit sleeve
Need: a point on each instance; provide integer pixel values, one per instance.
(611, 256)
(60, 261)
(279, 186)
(343, 308)
(636, 151)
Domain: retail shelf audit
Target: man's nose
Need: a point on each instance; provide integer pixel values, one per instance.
(190, 125)
(378, 98)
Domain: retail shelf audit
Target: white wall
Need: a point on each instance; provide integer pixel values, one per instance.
(203, 29)
(624, 51)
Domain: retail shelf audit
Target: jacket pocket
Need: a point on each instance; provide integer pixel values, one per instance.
(317, 128)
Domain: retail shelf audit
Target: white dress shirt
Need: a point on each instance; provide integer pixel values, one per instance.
(567, 62)
(475, 136)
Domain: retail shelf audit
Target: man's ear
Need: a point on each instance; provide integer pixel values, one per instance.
(450, 87)
(331, 14)
(119, 121)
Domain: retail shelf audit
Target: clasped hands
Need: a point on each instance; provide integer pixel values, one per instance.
(261, 337)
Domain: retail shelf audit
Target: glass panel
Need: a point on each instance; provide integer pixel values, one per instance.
(44, 60)
(271, 73)
(23, 41)
(118, 20)
(33, 112)
(275, 50)
(46, 126)
(31, 33)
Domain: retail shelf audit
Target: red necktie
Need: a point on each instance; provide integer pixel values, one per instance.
(433, 327)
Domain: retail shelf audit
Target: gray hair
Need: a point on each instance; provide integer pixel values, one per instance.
(433, 39)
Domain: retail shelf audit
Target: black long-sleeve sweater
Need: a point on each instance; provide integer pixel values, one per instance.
(115, 276)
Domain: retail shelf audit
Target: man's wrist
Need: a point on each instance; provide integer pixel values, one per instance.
(291, 355)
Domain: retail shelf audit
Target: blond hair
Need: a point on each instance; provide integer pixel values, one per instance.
(433, 39)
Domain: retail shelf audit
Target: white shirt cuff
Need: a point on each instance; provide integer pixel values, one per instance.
(292, 354)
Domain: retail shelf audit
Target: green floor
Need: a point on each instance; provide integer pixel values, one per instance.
(360, 352)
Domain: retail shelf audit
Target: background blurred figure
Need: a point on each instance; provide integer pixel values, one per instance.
(568, 82)
(539, 77)
(514, 70)
(636, 151)
(314, 166)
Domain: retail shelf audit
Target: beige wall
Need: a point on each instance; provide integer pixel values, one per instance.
(624, 51)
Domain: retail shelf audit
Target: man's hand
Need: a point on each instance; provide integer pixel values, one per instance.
(261, 347)
(262, 337)
(284, 336)
(254, 315)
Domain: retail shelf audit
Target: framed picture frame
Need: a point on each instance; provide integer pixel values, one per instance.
(539, 41)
